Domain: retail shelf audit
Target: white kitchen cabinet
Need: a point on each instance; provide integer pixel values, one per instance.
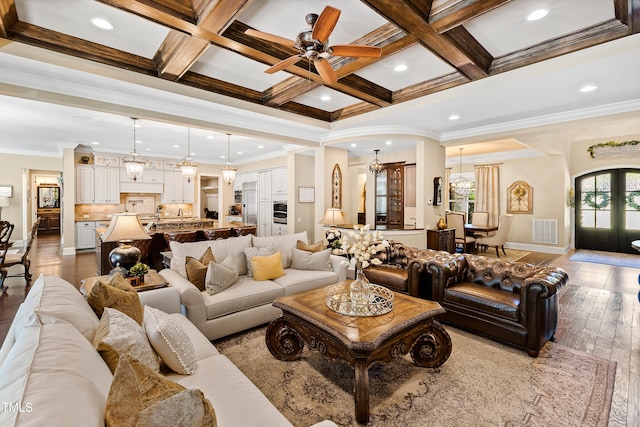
(86, 235)
(278, 229)
(177, 189)
(279, 182)
(188, 189)
(265, 218)
(107, 185)
(152, 176)
(85, 185)
(238, 181)
(264, 186)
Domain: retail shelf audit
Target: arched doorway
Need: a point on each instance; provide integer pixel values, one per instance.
(608, 210)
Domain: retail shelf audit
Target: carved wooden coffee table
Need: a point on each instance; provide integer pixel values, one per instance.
(361, 341)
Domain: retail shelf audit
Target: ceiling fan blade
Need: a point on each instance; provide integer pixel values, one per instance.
(325, 71)
(356, 51)
(270, 37)
(325, 23)
(283, 64)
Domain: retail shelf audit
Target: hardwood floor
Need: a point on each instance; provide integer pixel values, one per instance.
(599, 312)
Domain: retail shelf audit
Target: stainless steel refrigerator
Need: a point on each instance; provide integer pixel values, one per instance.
(250, 203)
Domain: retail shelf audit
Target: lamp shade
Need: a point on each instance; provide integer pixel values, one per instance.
(332, 217)
(124, 227)
(4, 202)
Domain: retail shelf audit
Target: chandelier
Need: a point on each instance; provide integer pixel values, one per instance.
(135, 165)
(461, 185)
(188, 167)
(228, 170)
(376, 166)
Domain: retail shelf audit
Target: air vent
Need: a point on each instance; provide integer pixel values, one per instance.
(545, 231)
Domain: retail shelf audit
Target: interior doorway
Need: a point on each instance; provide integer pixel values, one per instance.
(608, 210)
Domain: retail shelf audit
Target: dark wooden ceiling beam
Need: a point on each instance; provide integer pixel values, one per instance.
(428, 87)
(8, 16)
(177, 53)
(353, 110)
(217, 15)
(413, 21)
(168, 8)
(461, 12)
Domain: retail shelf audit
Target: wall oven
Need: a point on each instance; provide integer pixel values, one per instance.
(280, 212)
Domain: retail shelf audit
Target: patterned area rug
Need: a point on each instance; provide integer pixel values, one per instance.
(611, 258)
(512, 254)
(482, 384)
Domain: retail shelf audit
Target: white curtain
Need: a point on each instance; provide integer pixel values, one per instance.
(487, 191)
(445, 188)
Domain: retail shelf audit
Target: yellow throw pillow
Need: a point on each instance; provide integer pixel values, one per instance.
(316, 247)
(197, 268)
(267, 267)
(116, 293)
(141, 397)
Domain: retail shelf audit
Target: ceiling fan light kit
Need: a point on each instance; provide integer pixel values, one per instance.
(135, 165)
(313, 44)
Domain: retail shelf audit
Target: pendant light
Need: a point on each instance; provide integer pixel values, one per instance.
(461, 185)
(135, 165)
(188, 167)
(229, 171)
(376, 166)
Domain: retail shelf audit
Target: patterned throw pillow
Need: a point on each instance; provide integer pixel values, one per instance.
(118, 334)
(303, 260)
(116, 293)
(221, 276)
(267, 267)
(170, 341)
(196, 269)
(316, 247)
(256, 251)
(141, 397)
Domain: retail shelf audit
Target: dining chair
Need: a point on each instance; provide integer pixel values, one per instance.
(457, 220)
(480, 219)
(23, 258)
(500, 238)
(6, 228)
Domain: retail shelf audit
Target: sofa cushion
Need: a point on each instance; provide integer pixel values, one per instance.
(315, 247)
(220, 248)
(119, 334)
(141, 397)
(245, 293)
(117, 293)
(170, 341)
(256, 251)
(296, 281)
(500, 303)
(283, 244)
(196, 269)
(304, 260)
(220, 276)
(393, 278)
(267, 267)
(48, 359)
(58, 298)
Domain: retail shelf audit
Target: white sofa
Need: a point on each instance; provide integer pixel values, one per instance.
(50, 373)
(247, 303)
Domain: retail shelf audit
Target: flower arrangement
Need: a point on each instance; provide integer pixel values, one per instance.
(139, 270)
(361, 245)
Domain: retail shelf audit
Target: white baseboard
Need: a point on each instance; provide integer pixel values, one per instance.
(538, 248)
(69, 251)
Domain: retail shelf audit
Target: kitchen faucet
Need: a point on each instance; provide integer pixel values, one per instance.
(180, 214)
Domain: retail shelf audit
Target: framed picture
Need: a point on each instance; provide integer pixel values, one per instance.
(48, 197)
(520, 198)
(6, 190)
(306, 194)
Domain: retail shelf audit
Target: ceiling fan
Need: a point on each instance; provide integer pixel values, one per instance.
(313, 44)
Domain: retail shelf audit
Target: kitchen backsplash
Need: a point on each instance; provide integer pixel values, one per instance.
(131, 202)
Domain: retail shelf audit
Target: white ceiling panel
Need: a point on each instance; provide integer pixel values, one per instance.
(338, 100)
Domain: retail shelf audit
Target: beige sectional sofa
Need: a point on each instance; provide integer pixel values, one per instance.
(51, 375)
(247, 303)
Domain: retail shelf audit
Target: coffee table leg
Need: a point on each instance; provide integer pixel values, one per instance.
(433, 348)
(362, 391)
(284, 342)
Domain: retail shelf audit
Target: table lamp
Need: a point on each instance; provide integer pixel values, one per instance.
(333, 217)
(124, 228)
(4, 202)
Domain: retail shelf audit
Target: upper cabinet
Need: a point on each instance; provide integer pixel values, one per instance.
(177, 189)
(97, 185)
(264, 186)
(85, 185)
(389, 192)
(279, 182)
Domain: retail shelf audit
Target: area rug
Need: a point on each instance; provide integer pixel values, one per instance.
(512, 254)
(483, 383)
(611, 258)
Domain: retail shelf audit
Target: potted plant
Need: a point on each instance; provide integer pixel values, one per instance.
(138, 271)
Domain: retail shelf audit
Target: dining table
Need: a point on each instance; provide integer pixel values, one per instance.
(471, 228)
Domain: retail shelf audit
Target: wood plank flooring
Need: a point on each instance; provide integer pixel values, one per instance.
(599, 312)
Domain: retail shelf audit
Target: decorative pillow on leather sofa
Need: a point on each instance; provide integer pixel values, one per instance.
(170, 341)
(267, 267)
(316, 247)
(196, 269)
(221, 276)
(141, 397)
(116, 293)
(303, 260)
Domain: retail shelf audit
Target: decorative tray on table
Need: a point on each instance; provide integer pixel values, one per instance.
(339, 300)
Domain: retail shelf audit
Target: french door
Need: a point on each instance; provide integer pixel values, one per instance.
(608, 210)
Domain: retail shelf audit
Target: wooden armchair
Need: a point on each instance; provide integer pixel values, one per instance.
(23, 258)
(6, 228)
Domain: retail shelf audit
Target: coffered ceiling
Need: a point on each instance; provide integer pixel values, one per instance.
(480, 60)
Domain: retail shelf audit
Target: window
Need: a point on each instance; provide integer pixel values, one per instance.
(596, 201)
(463, 203)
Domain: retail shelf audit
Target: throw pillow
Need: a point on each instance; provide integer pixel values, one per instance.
(170, 341)
(221, 276)
(141, 397)
(256, 251)
(196, 269)
(116, 293)
(267, 267)
(303, 260)
(119, 334)
(316, 247)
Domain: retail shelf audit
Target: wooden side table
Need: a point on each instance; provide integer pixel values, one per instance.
(442, 240)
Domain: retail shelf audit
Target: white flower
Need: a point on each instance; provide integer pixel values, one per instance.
(362, 245)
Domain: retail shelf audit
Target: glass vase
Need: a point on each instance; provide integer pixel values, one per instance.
(359, 289)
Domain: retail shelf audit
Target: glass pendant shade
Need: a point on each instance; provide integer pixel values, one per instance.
(135, 165)
(461, 185)
(188, 167)
(376, 166)
(229, 171)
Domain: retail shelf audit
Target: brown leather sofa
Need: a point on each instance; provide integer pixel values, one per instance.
(512, 302)
(403, 269)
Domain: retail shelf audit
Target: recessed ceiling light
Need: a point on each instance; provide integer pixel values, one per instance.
(138, 141)
(588, 88)
(95, 143)
(209, 136)
(454, 117)
(193, 154)
(102, 23)
(354, 145)
(389, 142)
(148, 149)
(223, 157)
(175, 146)
(239, 152)
(537, 14)
(399, 68)
(260, 146)
(325, 98)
